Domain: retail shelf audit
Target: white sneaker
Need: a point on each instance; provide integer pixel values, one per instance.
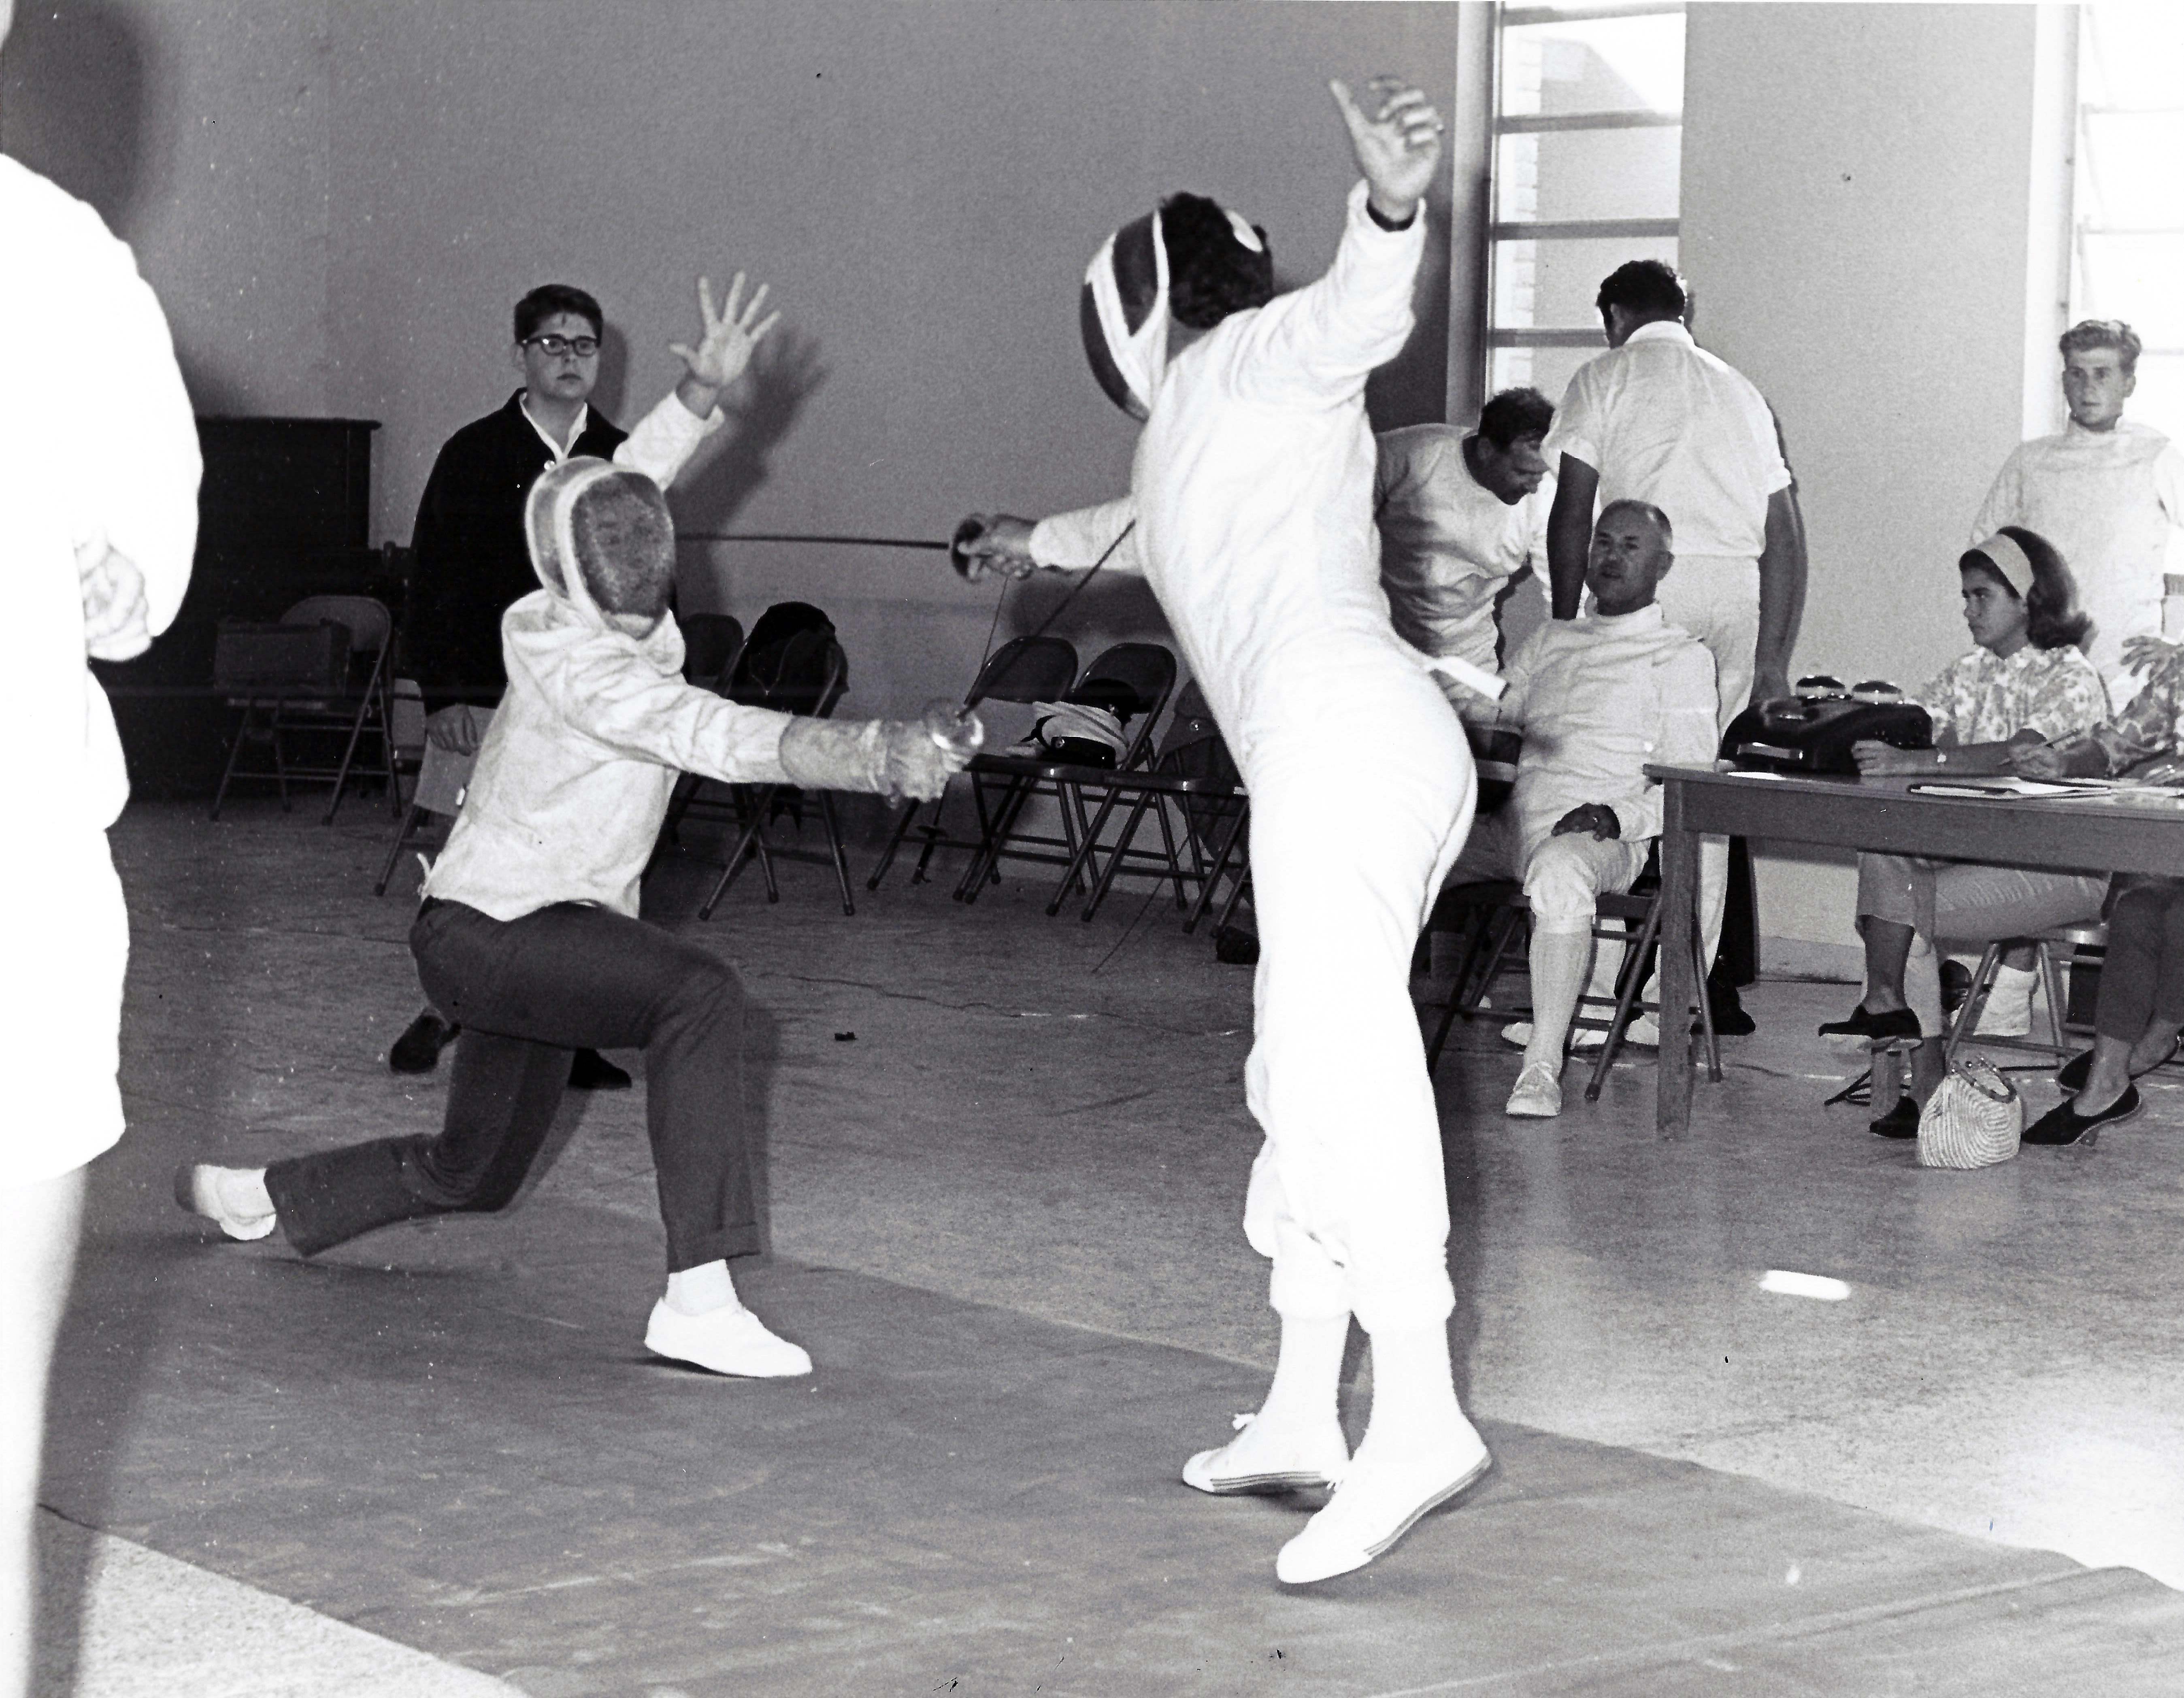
(1247, 1464)
(1538, 1094)
(1644, 1033)
(2008, 1009)
(1517, 1034)
(1364, 1519)
(729, 1340)
(197, 1187)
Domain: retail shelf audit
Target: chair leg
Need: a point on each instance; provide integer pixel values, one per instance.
(894, 841)
(1235, 899)
(1081, 859)
(2050, 984)
(348, 757)
(401, 841)
(1212, 880)
(834, 844)
(753, 829)
(1968, 1011)
(234, 755)
(1105, 881)
(986, 858)
(1174, 861)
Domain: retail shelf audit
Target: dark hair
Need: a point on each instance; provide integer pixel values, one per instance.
(1211, 274)
(1632, 504)
(1649, 287)
(1514, 414)
(549, 299)
(2052, 618)
(625, 543)
(2088, 334)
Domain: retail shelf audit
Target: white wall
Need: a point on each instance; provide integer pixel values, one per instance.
(1856, 192)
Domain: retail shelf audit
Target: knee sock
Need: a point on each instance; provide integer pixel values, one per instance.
(701, 1289)
(1414, 1404)
(1307, 1374)
(1558, 966)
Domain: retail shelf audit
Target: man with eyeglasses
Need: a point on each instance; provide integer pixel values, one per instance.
(472, 558)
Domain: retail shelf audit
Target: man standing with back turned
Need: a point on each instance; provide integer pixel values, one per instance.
(1658, 419)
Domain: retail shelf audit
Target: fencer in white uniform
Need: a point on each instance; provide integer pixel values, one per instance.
(98, 481)
(1251, 498)
(1461, 514)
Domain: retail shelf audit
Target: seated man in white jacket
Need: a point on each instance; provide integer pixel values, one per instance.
(529, 935)
(1597, 698)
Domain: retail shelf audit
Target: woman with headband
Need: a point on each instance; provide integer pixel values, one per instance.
(2026, 682)
(529, 934)
(1252, 496)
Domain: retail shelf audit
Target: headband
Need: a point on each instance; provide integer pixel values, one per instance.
(2008, 562)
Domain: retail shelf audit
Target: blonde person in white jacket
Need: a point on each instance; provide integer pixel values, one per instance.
(1251, 498)
(98, 479)
(529, 934)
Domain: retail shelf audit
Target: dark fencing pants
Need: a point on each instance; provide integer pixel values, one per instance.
(527, 993)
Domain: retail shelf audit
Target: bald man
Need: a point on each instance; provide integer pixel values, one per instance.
(1596, 698)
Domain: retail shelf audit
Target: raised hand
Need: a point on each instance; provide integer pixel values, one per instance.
(1397, 142)
(116, 615)
(2149, 655)
(725, 347)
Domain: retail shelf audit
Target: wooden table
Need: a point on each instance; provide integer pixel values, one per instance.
(2097, 834)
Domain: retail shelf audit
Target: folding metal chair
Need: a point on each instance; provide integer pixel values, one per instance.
(1024, 669)
(807, 679)
(1138, 677)
(1494, 918)
(443, 779)
(2065, 943)
(712, 643)
(352, 707)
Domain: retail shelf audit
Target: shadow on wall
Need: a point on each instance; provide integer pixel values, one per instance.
(785, 373)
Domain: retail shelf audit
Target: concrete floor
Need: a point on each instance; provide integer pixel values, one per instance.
(1043, 1120)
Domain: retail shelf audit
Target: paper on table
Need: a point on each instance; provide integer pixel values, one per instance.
(2003, 784)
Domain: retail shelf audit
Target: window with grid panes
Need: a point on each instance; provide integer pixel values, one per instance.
(1588, 154)
(2127, 253)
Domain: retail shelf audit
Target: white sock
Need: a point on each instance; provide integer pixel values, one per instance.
(243, 1192)
(1307, 1374)
(701, 1289)
(1414, 1403)
(1558, 960)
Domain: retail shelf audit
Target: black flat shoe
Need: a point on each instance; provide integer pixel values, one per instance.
(2063, 1124)
(2072, 1075)
(417, 1050)
(592, 1072)
(1896, 1025)
(1900, 1122)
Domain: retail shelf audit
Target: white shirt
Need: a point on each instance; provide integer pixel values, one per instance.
(1663, 420)
(1449, 544)
(1598, 698)
(2110, 501)
(97, 441)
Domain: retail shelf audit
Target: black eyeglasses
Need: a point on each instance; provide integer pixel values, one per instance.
(553, 347)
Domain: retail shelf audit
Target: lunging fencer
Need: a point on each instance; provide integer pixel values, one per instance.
(1252, 497)
(529, 935)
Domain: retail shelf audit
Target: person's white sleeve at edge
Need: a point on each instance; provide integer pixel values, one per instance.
(1685, 736)
(656, 716)
(1517, 681)
(1078, 539)
(665, 438)
(147, 487)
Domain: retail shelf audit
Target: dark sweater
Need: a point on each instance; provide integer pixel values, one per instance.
(471, 559)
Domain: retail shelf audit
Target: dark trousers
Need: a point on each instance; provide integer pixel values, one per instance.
(2143, 974)
(527, 993)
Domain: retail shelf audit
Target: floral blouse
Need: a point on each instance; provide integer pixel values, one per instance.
(2152, 724)
(1981, 698)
